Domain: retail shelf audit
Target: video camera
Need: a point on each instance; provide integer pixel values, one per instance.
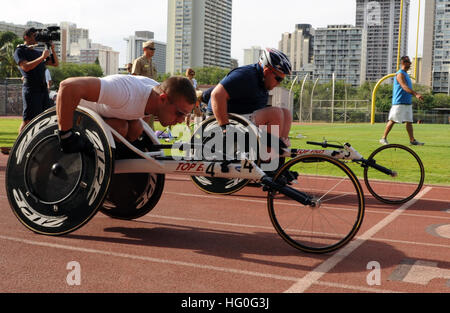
(51, 33)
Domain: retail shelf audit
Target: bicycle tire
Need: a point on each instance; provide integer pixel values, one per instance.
(394, 156)
(345, 197)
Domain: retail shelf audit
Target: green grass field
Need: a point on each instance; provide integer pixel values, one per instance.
(435, 154)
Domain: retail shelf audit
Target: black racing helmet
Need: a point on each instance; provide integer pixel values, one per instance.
(276, 59)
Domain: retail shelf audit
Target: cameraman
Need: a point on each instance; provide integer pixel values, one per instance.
(32, 66)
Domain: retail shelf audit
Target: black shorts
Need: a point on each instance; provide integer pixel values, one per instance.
(34, 103)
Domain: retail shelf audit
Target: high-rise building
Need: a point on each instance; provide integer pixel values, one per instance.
(73, 40)
(339, 49)
(298, 46)
(251, 55)
(427, 61)
(198, 34)
(381, 20)
(107, 58)
(436, 51)
(134, 49)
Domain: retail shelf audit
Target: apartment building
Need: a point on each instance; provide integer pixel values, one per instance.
(340, 50)
(198, 34)
(381, 20)
(251, 55)
(14, 28)
(107, 58)
(299, 47)
(436, 51)
(73, 40)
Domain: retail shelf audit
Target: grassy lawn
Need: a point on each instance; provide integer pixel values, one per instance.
(9, 128)
(435, 154)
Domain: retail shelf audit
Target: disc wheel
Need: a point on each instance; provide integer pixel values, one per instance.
(338, 204)
(52, 192)
(132, 195)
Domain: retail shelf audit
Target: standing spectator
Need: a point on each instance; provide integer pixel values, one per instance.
(144, 66)
(48, 79)
(190, 74)
(32, 67)
(401, 111)
(129, 68)
(198, 114)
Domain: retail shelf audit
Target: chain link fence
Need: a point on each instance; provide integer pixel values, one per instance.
(11, 97)
(359, 111)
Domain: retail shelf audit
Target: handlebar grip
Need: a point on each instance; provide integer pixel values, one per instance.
(324, 145)
(373, 163)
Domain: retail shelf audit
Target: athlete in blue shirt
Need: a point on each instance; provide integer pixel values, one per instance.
(245, 91)
(401, 111)
(32, 64)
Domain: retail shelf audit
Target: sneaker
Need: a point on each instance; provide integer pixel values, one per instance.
(383, 141)
(416, 143)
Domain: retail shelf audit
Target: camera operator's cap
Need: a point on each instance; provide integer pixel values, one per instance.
(29, 31)
(149, 44)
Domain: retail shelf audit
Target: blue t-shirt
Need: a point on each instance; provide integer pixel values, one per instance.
(34, 79)
(245, 86)
(399, 96)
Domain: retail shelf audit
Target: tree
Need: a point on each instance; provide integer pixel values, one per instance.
(8, 66)
(8, 43)
(441, 101)
(383, 100)
(210, 75)
(66, 70)
(7, 37)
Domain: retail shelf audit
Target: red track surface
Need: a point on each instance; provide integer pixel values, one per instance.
(194, 242)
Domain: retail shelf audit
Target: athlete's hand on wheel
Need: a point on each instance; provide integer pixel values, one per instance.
(73, 142)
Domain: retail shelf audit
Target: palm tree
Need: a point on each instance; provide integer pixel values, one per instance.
(8, 66)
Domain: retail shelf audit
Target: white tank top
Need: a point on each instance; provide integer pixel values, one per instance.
(122, 96)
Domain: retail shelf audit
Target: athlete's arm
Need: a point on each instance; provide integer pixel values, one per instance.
(219, 104)
(71, 91)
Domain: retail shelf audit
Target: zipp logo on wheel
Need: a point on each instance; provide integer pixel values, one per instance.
(52, 192)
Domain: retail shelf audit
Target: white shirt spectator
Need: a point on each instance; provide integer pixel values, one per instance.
(48, 79)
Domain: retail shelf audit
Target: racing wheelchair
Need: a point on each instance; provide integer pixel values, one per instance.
(315, 202)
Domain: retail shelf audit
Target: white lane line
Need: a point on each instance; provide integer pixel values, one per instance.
(357, 288)
(147, 218)
(149, 259)
(194, 220)
(427, 244)
(235, 198)
(312, 277)
(193, 265)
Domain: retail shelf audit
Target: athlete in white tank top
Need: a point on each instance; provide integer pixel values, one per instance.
(122, 96)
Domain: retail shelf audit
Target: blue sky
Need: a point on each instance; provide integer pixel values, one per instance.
(255, 22)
